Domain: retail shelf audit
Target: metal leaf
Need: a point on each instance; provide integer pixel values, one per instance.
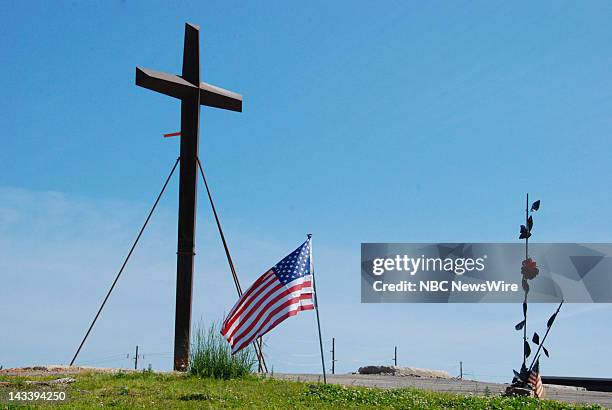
(536, 366)
(520, 325)
(524, 233)
(529, 223)
(527, 348)
(551, 320)
(535, 206)
(536, 338)
(524, 370)
(545, 351)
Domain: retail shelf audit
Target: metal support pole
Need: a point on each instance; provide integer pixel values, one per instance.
(258, 345)
(461, 370)
(125, 261)
(314, 288)
(526, 257)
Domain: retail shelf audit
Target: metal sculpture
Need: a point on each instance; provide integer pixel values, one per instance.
(529, 270)
(192, 92)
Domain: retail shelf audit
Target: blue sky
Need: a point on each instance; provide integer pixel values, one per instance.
(399, 122)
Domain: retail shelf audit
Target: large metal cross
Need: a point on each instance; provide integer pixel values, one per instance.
(192, 93)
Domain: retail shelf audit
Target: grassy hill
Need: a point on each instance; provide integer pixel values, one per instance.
(174, 391)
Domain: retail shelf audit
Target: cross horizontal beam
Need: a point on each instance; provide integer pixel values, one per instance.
(177, 87)
(213, 96)
(164, 83)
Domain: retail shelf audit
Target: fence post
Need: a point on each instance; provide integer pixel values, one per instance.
(333, 352)
(395, 356)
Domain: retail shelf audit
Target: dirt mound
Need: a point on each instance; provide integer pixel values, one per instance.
(57, 370)
(404, 371)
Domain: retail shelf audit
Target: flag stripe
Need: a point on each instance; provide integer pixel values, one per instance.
(254, 294)
(247, 311)
(284, 304)
(255, 314)
(535, 380)
(251, 289)
(276, 323)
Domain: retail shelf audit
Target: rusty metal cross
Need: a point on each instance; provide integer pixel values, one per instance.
(192, 93)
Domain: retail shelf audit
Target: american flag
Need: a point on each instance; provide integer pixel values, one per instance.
(281, 292)
(535, 380)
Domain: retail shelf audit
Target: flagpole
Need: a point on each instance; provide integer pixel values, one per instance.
(314, 287)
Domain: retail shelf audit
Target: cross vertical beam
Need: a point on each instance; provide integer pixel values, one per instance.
(192, 93)
(190, 124)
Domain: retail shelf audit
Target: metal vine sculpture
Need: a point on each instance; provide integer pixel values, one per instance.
(529, 270)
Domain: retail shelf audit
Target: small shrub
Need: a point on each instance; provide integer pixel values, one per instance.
(211, 356)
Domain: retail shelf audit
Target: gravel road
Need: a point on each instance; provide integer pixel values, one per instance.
(560, 393)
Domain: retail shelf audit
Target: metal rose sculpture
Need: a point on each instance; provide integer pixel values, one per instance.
(529, 270)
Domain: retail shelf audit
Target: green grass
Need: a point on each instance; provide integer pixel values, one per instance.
(210, 356)
(175, 391)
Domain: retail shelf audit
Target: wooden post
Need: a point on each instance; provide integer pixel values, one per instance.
(333, 352)
(136, 359)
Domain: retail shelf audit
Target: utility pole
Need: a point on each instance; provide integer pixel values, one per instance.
(461, 370)
(136, 359)
(395, 356)
(333, 352)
